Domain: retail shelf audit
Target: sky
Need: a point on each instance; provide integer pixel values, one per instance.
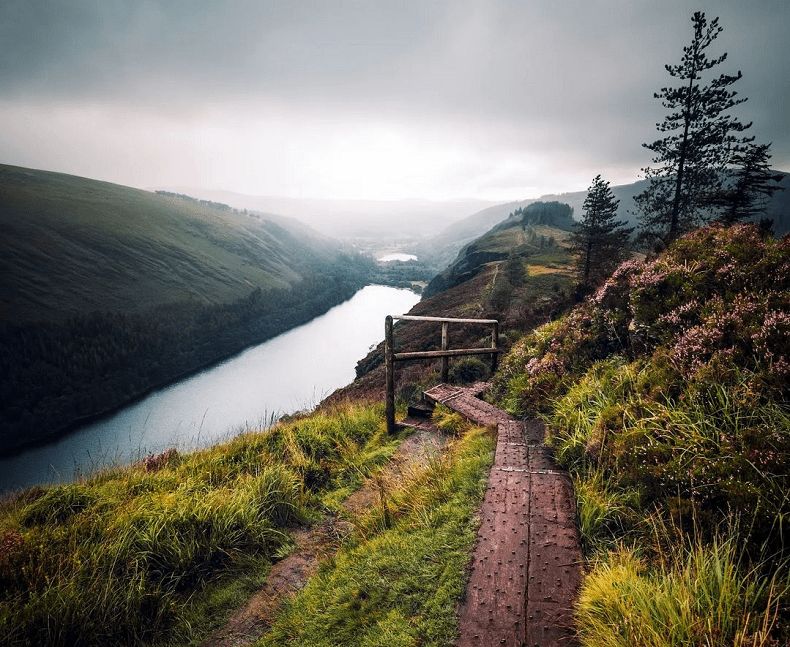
(495, 100)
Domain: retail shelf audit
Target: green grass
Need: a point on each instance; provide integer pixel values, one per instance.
(138, 555)
(704, 596)
(401, 581)
(665, 393)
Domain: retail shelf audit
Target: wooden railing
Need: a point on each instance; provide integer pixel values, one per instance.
(390, 357)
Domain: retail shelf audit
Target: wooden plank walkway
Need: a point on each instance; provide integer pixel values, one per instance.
(526, 565)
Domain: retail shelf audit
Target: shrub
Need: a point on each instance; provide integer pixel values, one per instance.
(467, 370)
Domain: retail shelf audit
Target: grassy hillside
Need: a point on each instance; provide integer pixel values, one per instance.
(160, 552)
(518, 236)
(108, 292)
(72, 245)
(525, 286)
(666, 393)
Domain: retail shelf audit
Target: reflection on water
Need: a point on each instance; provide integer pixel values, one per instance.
(397, 256)
(289, 373)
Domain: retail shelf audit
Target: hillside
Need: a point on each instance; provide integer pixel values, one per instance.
(524, 233)
(666, 393)
(72, 245)
(109, 291)
(439, 250)
(520, 283)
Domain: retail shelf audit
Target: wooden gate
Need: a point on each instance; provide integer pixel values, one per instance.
(390, 357)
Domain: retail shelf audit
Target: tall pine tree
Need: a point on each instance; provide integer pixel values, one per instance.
(599, 242)
(701, 140)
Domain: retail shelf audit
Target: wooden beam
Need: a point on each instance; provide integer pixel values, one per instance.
(389, 365)
(445, 346)
(448, 319)
(432, 354)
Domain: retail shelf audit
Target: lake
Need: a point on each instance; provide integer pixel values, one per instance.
(289, 373)
(397, 256)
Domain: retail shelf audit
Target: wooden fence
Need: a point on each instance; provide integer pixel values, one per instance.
(390, 357)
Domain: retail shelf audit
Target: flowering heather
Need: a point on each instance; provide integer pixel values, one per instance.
(671, 383)
(715, 305)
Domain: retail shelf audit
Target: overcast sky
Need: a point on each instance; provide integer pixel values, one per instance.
(493, 99)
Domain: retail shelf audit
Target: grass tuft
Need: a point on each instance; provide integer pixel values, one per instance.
(400, 582)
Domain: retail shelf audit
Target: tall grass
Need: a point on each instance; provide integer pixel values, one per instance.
(705, 596)
(400, 582)
(119, 558)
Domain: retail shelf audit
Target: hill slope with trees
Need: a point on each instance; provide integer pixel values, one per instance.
(517, 235)
(666, 393)
(110, 291)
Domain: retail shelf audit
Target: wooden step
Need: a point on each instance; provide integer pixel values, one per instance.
(465, 401)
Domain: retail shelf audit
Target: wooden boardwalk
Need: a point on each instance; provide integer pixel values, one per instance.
(526, 565)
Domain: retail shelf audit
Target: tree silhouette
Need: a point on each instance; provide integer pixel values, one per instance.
(749, 187)
(701, 141)
(599, 242)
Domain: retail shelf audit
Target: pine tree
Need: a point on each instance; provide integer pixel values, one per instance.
(750, 186)
(599, 242)
(701, 143)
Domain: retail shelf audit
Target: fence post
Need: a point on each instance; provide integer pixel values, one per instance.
(445, 346)
(389, 366)
(494, 345)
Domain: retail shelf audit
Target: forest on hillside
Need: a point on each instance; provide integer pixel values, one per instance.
(56, 375)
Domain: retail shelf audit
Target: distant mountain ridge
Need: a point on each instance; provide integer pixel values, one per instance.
(441, 249)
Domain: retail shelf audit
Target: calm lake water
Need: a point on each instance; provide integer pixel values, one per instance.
(289, 373)
(397, 256)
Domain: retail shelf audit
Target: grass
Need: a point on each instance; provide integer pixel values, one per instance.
(138, 555)
(665, 394)
(400, 582)
(704, 596)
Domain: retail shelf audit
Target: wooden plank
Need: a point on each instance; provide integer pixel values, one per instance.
(464, 402)
(389, 376)
(525, 570)
(428, 354)
(447, 319)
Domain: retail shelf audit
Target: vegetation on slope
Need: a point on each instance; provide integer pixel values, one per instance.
(527, 287)
(162, 551)
(517, 234)
(109, 291)
(123, 557)
(666, 393)
(400, 582)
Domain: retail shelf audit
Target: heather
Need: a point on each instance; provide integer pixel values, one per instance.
(666, 395)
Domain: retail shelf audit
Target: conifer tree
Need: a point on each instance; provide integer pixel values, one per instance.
(701, 140)
(750, 186)
(599, 242)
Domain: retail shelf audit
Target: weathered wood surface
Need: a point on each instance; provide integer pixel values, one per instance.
(525, 570)
(390, 356)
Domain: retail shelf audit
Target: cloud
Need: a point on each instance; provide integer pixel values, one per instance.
(310, 97)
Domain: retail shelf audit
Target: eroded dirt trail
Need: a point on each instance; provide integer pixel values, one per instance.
(315, 544)
(526, 565)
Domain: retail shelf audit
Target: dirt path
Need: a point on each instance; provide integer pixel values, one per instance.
(525, 568)
(315, 544)
(526, 563)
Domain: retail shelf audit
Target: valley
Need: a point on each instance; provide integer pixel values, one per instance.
(663, 392)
